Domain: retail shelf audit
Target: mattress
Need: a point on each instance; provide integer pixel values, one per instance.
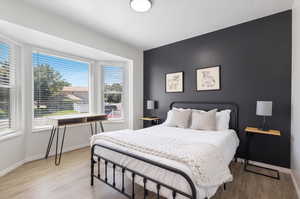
(226, 141)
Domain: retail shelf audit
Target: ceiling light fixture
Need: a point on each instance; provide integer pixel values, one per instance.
(141, 5)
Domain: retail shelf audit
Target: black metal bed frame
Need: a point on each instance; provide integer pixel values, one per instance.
(96, 159)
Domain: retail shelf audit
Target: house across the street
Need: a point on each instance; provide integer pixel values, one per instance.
(79, 96)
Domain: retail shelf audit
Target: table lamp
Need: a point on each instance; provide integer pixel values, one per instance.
(264, 109)
(150, 104)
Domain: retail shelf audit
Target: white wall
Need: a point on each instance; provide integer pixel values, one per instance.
(295, 141)
(12, 153)
(19, 12)
(32, 145)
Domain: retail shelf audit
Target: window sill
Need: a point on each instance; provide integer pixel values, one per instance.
(48, 128)
(41, 128)
(116, 121)
(9, 134)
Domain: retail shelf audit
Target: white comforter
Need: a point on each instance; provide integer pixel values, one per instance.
(223, 144)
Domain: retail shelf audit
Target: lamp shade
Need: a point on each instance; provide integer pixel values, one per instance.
(264, 108)
(150, 104)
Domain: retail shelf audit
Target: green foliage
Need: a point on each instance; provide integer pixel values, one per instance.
(3, 114)
(113, 93)
(114, 87)
(65, 112)
(112, 97)
(47, 82)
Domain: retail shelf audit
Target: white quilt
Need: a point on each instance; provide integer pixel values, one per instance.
(203, 155)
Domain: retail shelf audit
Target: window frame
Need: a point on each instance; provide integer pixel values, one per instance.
(14, 91)
(63, 55)
(124, 96)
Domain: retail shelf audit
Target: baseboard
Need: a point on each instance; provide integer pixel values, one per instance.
(295, 184)
(280, 169)
(38, 157)
(13, 167)
(67, 149)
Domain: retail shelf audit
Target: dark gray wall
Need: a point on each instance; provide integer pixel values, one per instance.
(255, 59)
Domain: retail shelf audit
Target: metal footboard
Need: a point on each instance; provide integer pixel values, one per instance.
(96, 158)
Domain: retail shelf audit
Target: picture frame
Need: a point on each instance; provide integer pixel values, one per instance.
(208, 78)
(174, 82)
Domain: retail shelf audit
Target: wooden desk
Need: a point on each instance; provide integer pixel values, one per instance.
(69, 120)
(250, 132)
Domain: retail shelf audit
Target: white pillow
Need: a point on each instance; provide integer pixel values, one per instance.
(178, 118)
(168, 120)
(223, 119)
(202, 120)
(169, 114)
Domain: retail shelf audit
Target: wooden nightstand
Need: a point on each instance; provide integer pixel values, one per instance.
(250, 132)
(153, 120)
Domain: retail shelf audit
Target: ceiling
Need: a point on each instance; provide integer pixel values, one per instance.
(168, 21)
(37, 39)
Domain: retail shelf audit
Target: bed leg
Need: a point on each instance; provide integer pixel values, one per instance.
(224, 186)
(92, 166)
(92, 172)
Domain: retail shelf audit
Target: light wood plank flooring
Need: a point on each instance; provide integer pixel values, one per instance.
(42, 180)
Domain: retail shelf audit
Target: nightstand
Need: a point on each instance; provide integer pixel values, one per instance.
(153, 120)
(250, 132)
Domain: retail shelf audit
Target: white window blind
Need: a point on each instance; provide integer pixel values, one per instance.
(113, 97)
(7, 85)
(60, 87)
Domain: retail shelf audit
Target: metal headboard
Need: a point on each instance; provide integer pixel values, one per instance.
(234, 117)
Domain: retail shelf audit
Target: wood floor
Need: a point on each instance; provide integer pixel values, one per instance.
(42, 180)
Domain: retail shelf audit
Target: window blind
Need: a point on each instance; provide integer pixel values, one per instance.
(7, 84)
(113, 91)
(60, 87)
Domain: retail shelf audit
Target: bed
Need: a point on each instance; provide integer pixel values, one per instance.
(171, 162)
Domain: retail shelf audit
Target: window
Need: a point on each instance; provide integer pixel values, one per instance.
(113, 91)
(60, 87)
(7, 86)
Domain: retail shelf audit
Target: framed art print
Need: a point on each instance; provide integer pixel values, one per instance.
(208, 78)
(174, 82)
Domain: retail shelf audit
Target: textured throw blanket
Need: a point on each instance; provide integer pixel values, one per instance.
(205, 160)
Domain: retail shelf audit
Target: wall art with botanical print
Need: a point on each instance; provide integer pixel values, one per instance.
(174, 82)
(208, 78)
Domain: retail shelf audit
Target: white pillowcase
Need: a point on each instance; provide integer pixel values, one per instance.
(202, 120)
(178, 118)
(222, 119)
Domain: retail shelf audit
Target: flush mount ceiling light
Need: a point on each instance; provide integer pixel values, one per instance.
(140, 5)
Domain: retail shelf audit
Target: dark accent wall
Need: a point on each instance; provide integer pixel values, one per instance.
(255, 59)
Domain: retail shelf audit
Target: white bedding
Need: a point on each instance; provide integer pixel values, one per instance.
(226, 142)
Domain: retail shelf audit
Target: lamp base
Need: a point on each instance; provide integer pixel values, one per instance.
(264, 126)
(152, 116)
(264, 129)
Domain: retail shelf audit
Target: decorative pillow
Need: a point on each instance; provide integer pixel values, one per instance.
(223, 119)
(202, 120)
(178, 118)
(170, 112)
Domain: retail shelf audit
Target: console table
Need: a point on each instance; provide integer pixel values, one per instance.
(69, 120)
